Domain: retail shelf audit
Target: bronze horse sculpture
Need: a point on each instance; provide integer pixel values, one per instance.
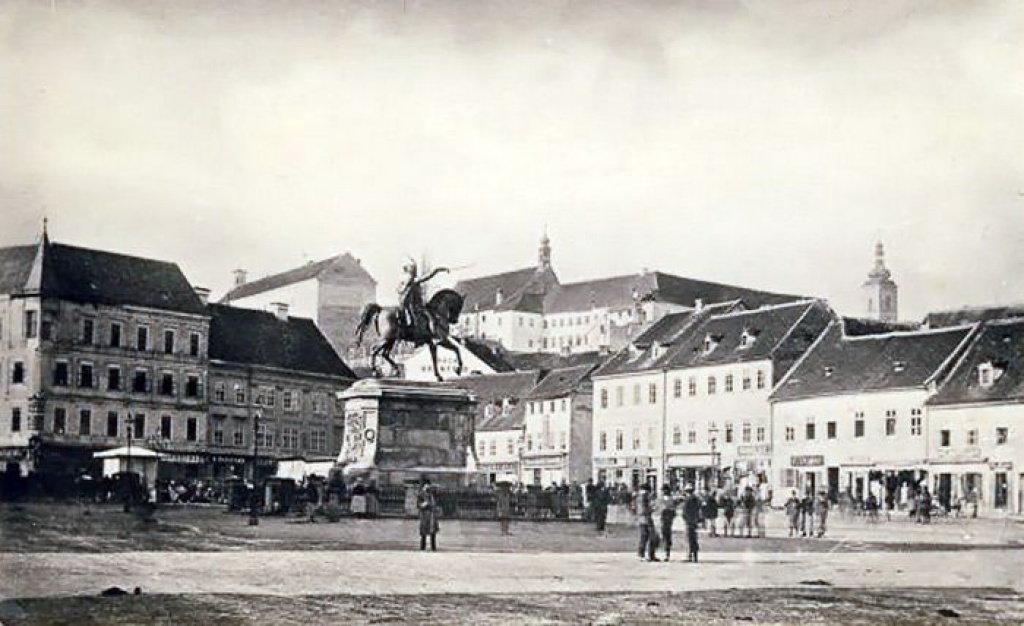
(430, 328)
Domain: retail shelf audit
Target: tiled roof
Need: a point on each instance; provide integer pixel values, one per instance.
(999, 344)
(859, 326)
(252, 337)
(841, 365)
(493, 390)
(550, 360)
(622, 292)
(789, 328)
(521, 290)
(65, 272)
(561, 382)
(971, 315)
(652, 349)
(487, 352)
(345, 263)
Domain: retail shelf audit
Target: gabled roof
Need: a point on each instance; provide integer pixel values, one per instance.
(550, 360)
(999, 343)
(860, 326)
(765, 330)
(624, 291)
(53, 270)
(496, 389)
(561, 382)
(521, 290)
(972, 315)
(251, 337)
(653, 348)
(838, 365)
(343, 263)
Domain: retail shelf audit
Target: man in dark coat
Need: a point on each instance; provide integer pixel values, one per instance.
(602, 498)
(645, 522)
(691, 515)
(426, 504)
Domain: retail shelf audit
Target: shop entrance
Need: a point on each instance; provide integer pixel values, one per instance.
(1001, 495)
(945, 490)
(833, 484)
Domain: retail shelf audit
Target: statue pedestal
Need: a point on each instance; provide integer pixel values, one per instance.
(401, 431)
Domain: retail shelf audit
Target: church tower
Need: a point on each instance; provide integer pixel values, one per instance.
(544, 253)
(880, 291)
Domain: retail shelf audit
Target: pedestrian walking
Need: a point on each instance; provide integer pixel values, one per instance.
(711, 513)
(821, 505)
(729, 514)
(503, 504)
(602, 498)
(426, 504)
(924, 506)
(667, 513)
(691, 515)
(747, 503)
(793, 513)
(645, 522)
(806, 514)
(760, 501)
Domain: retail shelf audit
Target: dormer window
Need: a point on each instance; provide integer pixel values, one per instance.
(710, 343)
(657, 350)
(989, 373)
(748, 338)
(498, 297)
(899, 366)
(489, 411)
(829, 370)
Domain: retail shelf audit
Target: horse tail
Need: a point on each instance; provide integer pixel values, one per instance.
(368, 316)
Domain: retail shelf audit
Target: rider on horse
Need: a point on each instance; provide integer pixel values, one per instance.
(411, 292)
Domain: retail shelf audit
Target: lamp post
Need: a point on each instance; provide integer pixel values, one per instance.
(254, 516)
(130, 488)
(714, 462)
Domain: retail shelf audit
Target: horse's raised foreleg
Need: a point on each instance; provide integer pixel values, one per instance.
(386, 353)
(433, 359)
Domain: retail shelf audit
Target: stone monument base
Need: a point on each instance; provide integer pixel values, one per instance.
(400, 432)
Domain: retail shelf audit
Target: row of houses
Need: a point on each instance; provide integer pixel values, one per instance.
(789, 396)
(98, 349)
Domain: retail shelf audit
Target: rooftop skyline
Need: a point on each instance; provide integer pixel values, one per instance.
(766, 145)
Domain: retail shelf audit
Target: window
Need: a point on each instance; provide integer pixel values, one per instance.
(481, 448)
(18, 373)
(167, 384)
(972, 437)
(529, 442)
(218, 432)
(239, 438)
(747, 432)
(551, 406)
(790, 433)
(85, 376)
(604, 398)
(84, 422)
(193, 344)
(270, 398)
(636, 394)
(510, 443)
(319, 402)
(602, 441)
(746, 380)
(563, 407)
(139, 426)
(288, 400)
(16, 419)
(318, 440)
(218, 392)
(619, 396)
(115, 334)
(915, 422)
(691, 435)
(190, 429)
(142, 339)
(113, 424)
(165, 427)
(760, 434)
(728, 383)
(113, 378)
(636, 438)
(30, 324)
(830, 430)
(1002, 435)
(562, 440)
(728, 432)
(192, 386)
(168, 342)
(944, 439)
(890, 423)
(760, 379)
(985, 375)
(712, 384)
(677, 435)
(652, 393)
(677, 388)
(59, 420)
(88, 332)
(619, 444)
(239, 394)
(858, 424)
(140, 382)
(692, 384)
(60, 374)
(809, 429)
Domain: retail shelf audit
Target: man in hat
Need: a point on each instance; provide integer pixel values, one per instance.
(645, 522)
(426, 504)
(691, 515)
(411, 292)
(667, 507)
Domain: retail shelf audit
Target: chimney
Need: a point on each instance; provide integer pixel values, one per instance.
(499, 296)
(280, 310)
(240, 277)
(698, 304)
(203, 294)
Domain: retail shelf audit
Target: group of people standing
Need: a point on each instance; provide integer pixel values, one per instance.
(807, 516)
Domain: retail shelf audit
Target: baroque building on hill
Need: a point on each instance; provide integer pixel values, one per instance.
(94, 347)
(531, 310)
(332, 291)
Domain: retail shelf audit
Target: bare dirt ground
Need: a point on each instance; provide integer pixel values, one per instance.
(874, 607)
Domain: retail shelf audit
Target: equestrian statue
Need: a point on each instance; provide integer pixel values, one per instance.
(413, 321)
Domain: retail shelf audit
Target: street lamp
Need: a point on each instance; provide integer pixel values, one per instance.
(254, 518)
(714, 462)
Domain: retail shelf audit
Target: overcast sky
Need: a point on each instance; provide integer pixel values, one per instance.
(762, 143)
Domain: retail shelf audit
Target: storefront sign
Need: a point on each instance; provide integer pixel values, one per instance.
(807, 460)
(609, 461)
(754, 451)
